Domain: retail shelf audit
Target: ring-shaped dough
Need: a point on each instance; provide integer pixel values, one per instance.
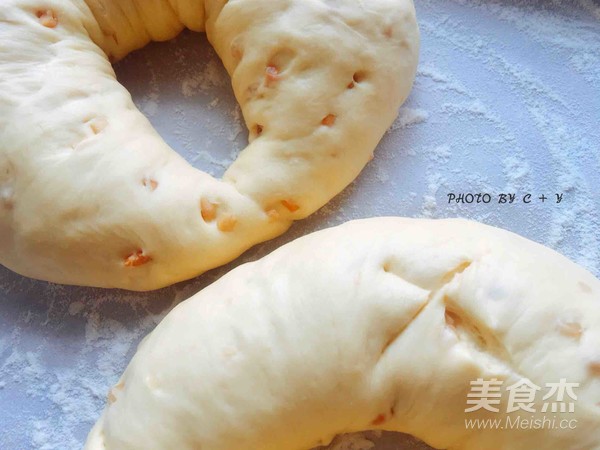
(89, 192)
(379, 323)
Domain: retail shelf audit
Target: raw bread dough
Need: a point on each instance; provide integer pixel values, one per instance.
(89, 192)
(379, 323)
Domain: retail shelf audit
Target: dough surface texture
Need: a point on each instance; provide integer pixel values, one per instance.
(89, 192)
(375, 324)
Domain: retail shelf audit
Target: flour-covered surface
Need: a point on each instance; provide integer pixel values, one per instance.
(507, 100)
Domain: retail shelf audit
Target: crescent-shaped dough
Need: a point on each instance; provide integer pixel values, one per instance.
(379, 323)
(89, 192)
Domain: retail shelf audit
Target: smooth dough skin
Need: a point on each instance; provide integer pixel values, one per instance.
(378, 323)
(89, 192)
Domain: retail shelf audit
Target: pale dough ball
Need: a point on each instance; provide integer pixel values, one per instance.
(378, 323)
(89, 192)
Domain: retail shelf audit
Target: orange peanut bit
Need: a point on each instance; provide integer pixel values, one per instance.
(379, 420)
(208, 210)
(570, 329)
(111, 393)
(452, 320)
(328, 120)
(290, 205)
(136, 259)
(98, 125)
(150, 183)
(47, 18)
(594, 368)
(227, 223)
